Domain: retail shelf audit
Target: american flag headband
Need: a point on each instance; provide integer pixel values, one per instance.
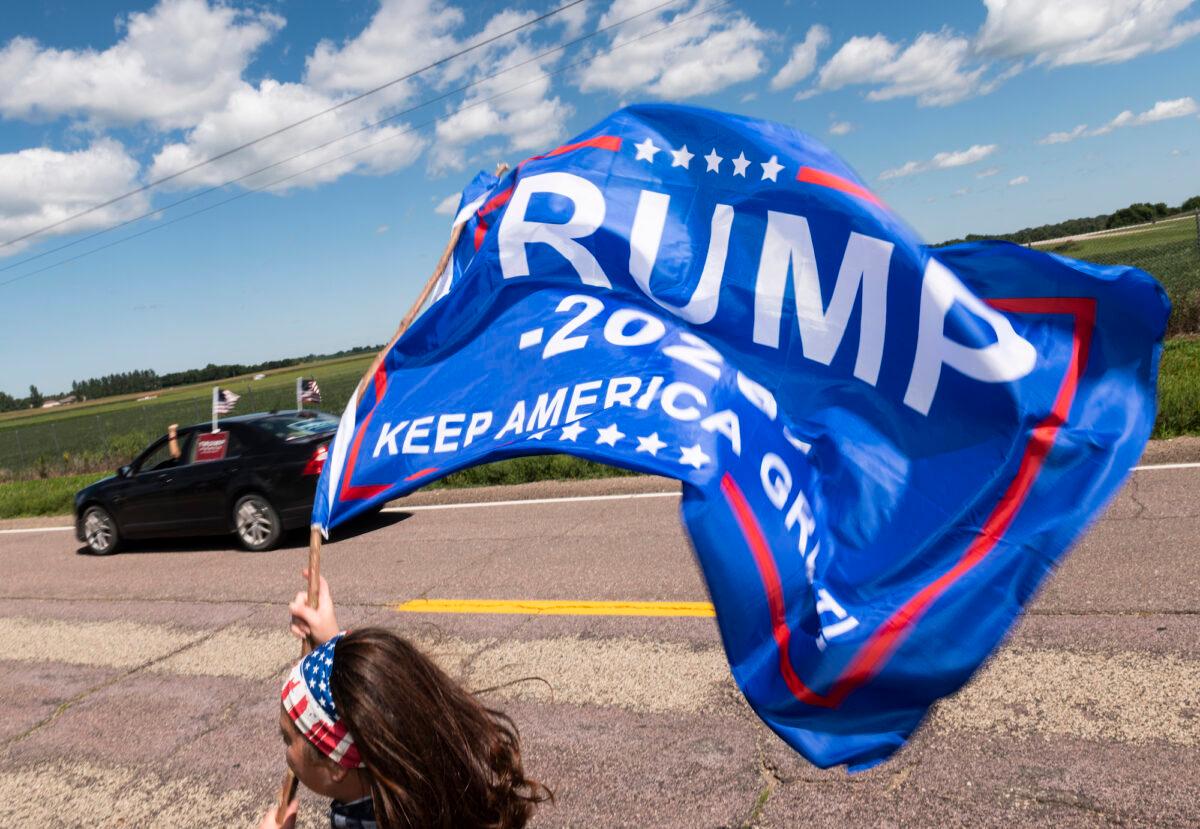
(308, 700)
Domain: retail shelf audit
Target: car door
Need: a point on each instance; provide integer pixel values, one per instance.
(149, 502)
(215, 458)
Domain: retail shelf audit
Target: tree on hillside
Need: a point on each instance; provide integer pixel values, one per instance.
(1135, 214)
(35, 398)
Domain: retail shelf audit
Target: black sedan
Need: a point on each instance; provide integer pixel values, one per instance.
(255, 477)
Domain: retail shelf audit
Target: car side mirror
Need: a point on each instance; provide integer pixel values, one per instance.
(125, 471)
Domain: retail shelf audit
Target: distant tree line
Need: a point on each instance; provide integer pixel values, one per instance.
(8, 403)
(146, 380)
(1136, 214)
(123, 382)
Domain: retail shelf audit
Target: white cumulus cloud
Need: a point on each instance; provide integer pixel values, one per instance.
(253, 111)
(514, 112)
(841, 128)
(1161, 111)
(1064, 137)
(402, 36)
(699, 54)
(41, 186)
(1164, 110)
(803, 59)
(941, 161)
(1019, 180)
(1062, 32)
(173, 64)
(945, 67)
(935, 68)
(448, 205)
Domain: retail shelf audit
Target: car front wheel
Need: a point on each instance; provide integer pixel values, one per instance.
(100, 531)
(256, 523)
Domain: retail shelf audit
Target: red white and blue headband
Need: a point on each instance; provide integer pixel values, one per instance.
(308, 700)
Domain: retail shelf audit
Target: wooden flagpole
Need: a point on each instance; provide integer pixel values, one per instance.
(412, 312)
(287, 790)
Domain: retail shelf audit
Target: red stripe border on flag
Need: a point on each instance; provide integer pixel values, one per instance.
(879, 648)
(811, 175)
(612, 143)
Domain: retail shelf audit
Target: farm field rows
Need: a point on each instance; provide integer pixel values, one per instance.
(1167, 251)
(97, 436)
(106, 433)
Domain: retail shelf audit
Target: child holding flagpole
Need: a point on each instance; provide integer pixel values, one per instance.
(372, 723)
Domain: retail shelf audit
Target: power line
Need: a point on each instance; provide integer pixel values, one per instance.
(364, 148)
(351, 134)
(293, 125)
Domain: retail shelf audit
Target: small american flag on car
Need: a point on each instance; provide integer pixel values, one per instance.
(310, 392)
(226, 400)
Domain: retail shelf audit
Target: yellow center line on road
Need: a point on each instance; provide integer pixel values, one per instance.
(556, 607)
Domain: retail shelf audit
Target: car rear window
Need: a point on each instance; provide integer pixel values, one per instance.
(298, 427)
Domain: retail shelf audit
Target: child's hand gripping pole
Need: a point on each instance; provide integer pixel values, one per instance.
(287, 791)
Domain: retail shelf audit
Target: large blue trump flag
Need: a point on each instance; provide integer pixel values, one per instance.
(884, 448)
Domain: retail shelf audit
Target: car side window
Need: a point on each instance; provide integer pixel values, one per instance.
(160, 456)
(209, 447)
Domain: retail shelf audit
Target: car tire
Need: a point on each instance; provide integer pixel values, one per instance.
(256, 523)
(100, 531)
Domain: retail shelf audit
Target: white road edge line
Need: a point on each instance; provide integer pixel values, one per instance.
(565, 500)
(1166, 466)
(524, 501)
(37, 530)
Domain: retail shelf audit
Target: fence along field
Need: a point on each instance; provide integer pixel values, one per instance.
(1168, 250)
(101, 437)
(61, 445)
(98, 437)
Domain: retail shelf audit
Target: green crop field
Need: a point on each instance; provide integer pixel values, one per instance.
(101, 435)
(98, 436)
(1167, 251)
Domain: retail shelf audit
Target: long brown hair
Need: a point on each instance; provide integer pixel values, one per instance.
(436, 757)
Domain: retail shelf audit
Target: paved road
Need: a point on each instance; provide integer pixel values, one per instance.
(141, 689)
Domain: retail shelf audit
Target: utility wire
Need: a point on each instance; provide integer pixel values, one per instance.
(293, 125)
(365, 147)
(351, 134)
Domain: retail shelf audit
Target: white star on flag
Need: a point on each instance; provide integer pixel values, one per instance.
(646, 151)
(771, 169)
(572, 431)
(740, 164)
(693, 456)
(650, 444)
(681, 157)
(714, 161)
(609, 435)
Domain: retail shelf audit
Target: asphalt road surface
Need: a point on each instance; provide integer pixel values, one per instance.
(142, 689)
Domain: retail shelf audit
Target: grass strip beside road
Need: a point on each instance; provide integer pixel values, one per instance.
(49, 496)
(1179, 389)
(55, 496)
(1178, 414)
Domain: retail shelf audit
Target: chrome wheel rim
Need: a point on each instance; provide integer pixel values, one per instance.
(98, 531)
(253, 523)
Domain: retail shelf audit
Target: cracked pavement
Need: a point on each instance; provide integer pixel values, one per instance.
(141, 689)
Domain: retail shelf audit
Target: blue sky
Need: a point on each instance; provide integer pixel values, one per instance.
(965, 117)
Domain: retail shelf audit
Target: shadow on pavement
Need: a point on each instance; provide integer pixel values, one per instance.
(292, 540)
